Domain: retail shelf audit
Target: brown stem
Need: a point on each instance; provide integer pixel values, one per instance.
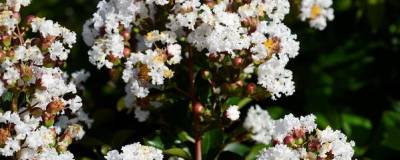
(14, 102)
(20, 38)
(196, 110)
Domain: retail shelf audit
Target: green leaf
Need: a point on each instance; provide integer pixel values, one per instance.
(276, 112)
(254, 151)
(232, 101)
(212, 140)
(237, 148)
(243, 102)
(343, 5)
(184, 136)
(350, 121)
(7, 96)
(391, 139)
(155, 142)
(178, 152)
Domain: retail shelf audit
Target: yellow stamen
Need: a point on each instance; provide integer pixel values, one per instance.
(168, 73)
(315, 11)
(272, 45)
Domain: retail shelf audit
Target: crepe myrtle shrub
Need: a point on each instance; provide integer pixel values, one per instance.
(41, 112)
(211, 58)
(219, 55)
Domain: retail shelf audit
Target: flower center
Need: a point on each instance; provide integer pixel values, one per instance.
(315, 11)
(144, 72)
(168, 73)
(272, 45)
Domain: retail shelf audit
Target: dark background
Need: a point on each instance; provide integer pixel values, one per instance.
(348, 75)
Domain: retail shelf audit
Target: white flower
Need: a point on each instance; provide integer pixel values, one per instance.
(260, 124)
(42, 137)
(233, 113)
(79, 77)
(335, 142)
(273, 76)
(8, 21)
(10, 147)
(2, 89)
(74, 104)
(175, 51)
(317, 12)
(58, 52)
(279, 152)
(158, 2)
(135, 151)
(141, 115)
(113, 155)
(16, 4)
(11, 74)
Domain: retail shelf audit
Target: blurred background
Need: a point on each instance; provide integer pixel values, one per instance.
(348, 75)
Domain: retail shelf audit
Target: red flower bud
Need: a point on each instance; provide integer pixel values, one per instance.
(213, 57)
(251, 88)
(197, 107)
(126, 34)
(288, 139)
(237, 62)
(29, 19)
(127, 52)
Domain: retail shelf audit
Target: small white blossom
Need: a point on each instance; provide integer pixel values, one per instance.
(279, 152)
(135, 151)
(233, 113)
(317, 12)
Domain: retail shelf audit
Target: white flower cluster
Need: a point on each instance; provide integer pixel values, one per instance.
(317, 12)
(26, 135)
(135, 151)
(127, 32)
(217, 29)
(146, 61)
(46, 113)
(296, 138)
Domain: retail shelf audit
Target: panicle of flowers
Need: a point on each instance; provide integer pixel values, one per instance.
(42, 112)
(296, 137)
(133, 36)
(317, 12)
(135, 151)
(119, 39)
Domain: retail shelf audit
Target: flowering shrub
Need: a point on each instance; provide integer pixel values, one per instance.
(42, 112)
(213, 56)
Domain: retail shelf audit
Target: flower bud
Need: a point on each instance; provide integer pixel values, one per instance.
(251, 88)
(213, 57)
(55, 106)
(6, 40)
(205, 74)
(48, 119)
(239, 83)
(127, 52)
(4, 135)
(288, 140)
(29, 19)
(197, 107)
(126, 34)
(237, 62)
